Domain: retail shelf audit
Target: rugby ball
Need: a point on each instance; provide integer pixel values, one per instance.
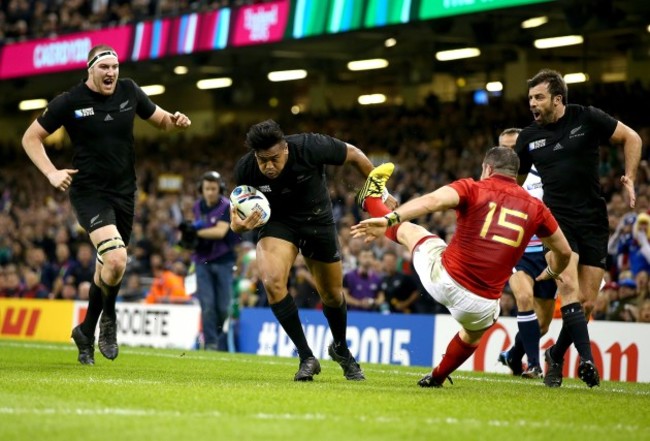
(245, 199)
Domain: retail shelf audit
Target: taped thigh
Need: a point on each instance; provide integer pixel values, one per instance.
(108, 245)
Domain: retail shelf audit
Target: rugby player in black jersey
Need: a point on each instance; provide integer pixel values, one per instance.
(290, 171)
(98, 114)
(563, 143)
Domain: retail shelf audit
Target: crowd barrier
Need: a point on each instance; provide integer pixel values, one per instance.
(621, 350)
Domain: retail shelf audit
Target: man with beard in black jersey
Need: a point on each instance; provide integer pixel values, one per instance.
(290, 171)
(98, 115)
(563, 143)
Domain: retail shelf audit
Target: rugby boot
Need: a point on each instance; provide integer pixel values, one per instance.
(588, 373)
(533, 373)
(553, 377)
(308, 368)
(428, 381)
(351, 369)
(375, 183)
(85, 345)
(107, 340)
(517, 368)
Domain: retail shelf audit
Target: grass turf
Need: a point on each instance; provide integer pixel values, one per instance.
(154, 394)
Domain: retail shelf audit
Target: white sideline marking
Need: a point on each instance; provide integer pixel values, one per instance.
(450, 421)
(195, 355)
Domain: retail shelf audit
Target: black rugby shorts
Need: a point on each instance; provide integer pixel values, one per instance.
(98, 210)
(317, 242)
(587, 238)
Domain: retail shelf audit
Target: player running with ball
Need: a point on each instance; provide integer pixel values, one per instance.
(290, 171)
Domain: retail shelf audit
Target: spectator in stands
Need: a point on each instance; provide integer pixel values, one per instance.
(302, 286)
(361, 285)
(625, 308)
(644, 312)
(399, 290)
(32, 286)
(12, 286)
(169, 285)
(83, 268)
(133, 291)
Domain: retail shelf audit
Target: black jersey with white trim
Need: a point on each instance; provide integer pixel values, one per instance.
(101, 130)
(566, 155)
(299, 194)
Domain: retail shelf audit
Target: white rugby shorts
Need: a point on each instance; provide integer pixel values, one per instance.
(472, 311)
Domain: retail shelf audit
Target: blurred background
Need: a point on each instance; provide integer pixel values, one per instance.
(427, 84)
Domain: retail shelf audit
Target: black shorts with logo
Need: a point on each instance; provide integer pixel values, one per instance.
(588, 238)
(317, 242)
(96, 210)
(533, 264)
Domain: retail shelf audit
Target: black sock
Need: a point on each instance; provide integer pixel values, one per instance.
(95, 306)
(109, 297)
(286, 312)
(530, 335)
(337, 317)
(573, 318)
(562, 343)
(517, 350)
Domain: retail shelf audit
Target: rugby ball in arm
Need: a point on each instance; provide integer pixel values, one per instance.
(245, 199)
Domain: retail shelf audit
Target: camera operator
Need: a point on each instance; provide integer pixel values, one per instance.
(213, 244)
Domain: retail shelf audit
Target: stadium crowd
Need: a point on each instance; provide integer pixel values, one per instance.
(25, 19)
(45, 254)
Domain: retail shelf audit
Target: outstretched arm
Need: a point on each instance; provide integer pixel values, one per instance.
(33, 145)
(632, 149)
(441, 199)
(166, 121)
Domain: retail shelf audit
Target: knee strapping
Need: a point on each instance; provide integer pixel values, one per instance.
(108, 245)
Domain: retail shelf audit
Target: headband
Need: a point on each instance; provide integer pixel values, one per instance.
(100, 56)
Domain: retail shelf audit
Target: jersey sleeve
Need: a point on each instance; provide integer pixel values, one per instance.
(54, 114)
(603, 122)
(145, 107)
(323, 149)
(525, 160)
(464, 189)
(548, 225)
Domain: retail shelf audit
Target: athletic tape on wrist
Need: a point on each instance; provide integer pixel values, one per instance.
(392, 218)
(551, 273)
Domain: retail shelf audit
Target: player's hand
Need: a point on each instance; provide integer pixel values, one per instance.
(370, 229)
(180, 120)
(544, 275)
(239, 225)
(61, 179)
(629, 186)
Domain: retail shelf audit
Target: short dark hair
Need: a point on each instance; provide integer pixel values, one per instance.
(510, 131)
(556, 84)
(503, 160)
(264, 135)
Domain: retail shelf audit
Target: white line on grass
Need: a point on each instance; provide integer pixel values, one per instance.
(464, 422)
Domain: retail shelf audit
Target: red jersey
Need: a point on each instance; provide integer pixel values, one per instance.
(495, 220)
